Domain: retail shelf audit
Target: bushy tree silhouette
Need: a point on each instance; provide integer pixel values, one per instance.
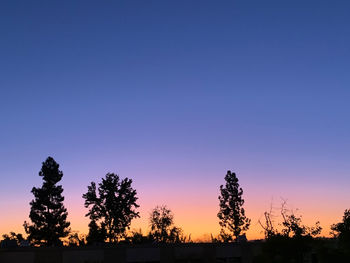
(76, 240)
(232, 217)
(162, 226)
(112, 208)
(342, 232)
(47, 213)
(136, 237)
(97, 234)
(18, 238)
(292, 243)
(293, 226)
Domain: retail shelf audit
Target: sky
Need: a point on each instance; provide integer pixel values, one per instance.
(172, 94)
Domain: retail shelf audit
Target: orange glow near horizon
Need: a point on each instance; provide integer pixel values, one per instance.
(172, 95)
(195, 205)
(195, 218)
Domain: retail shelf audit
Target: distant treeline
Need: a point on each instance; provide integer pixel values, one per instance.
(112, 205)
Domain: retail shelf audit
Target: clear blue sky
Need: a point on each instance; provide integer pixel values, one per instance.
(173, 94)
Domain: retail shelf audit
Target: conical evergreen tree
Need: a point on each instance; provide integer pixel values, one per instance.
(47, 213)
(232, 215)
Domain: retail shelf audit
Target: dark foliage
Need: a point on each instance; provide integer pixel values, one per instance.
(281, 248)
(111, 209)
(291, 223)
(97, 234)
(342, 230)
(47, 213)
(232, 217)
(162, 226)
(16, 238)
(137, 237)
(76, 240)
(294, 243)
(293, 226)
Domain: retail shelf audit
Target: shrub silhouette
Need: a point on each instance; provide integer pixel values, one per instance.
(161, 221)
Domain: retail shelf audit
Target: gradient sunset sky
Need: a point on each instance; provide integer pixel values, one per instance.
(173, 94)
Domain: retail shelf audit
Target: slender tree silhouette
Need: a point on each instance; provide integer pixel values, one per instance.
(47, 213)
(111, 209)
(232, 217)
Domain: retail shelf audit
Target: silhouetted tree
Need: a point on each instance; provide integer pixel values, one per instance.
(291, 223)
(97, 234)
(137, 237)
(268, 226)
(76, 240)
(293, 226)
(291, 243)
(113, 207)
(342, 231)
(17, 238)
(162, 226)
(47, 213)
(232, 217)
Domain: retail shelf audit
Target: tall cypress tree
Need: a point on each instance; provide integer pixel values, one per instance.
(232, 215)
(47, 213)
